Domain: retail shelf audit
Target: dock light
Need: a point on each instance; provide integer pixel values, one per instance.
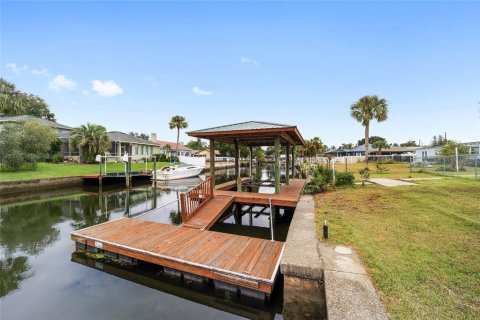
(325, 230)
(98, 158)
(125, 157)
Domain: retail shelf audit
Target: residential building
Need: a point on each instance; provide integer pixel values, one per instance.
(138, 148)
(168, 147)
(63, 131)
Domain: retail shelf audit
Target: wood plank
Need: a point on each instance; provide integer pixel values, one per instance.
(214, 255)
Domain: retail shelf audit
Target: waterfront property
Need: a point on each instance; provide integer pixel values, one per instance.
(168, 148)
(63, 132)
(138, 148)
(235, 262)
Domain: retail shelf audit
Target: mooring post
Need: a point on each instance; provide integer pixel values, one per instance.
(155, 171)
(127, 174)
(277, 165)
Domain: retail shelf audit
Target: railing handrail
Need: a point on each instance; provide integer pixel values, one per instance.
(195, 198)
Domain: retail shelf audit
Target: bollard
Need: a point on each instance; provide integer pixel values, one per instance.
(325, 230)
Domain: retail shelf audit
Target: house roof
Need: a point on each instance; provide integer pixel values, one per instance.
(23, 118)
(361, 148)
(251, 133)
(338, 150)
(117, 136)
(173, 145)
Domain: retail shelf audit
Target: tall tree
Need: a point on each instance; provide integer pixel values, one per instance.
(90, 139)
(14, 102)
(366, 109)
(178, 122)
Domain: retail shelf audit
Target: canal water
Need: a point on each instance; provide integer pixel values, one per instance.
(42, 277)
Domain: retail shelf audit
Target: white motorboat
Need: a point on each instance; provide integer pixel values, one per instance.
(181, 171)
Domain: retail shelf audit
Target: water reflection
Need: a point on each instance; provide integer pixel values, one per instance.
(35, 254)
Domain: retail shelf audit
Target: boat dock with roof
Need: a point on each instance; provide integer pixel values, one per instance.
(241, 263)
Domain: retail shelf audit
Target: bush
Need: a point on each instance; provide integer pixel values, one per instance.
(161, 157)
(57, 157)
(346, 179)
(322, 179)
(25, 144)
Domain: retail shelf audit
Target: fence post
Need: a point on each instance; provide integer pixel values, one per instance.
(476, 167)
(346, 165)
(444, 164)
(456, 158)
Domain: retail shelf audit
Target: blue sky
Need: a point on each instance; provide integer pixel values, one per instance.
(131, 66)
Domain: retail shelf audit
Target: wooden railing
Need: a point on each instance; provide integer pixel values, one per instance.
(195, 198)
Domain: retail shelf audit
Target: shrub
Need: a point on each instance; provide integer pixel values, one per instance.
(161, 157)
(365, 174)
(322, 179)
(344, 179)
(25, 144)
(57, 157)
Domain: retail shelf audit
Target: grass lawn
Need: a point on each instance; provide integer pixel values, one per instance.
(420, 244)
(392, 170)
(52, 170)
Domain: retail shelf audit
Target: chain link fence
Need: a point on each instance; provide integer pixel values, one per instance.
(461, 165)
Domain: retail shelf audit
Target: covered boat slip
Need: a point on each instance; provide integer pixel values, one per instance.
(237, 260)
(245, 263)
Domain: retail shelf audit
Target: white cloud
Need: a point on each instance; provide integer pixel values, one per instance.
(41, 72)
(60, 82)
(201, 92)
(245, 60)
(16, 69)
(106, 88)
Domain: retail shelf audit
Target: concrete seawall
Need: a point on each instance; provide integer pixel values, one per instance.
(38, 184)
(323, 281)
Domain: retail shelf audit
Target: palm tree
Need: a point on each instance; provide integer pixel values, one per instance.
(178, 122)
(91, 138)
(12, 101)
(380, 144)
(368, 108)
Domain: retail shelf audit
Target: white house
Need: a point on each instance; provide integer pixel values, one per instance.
(422, 153)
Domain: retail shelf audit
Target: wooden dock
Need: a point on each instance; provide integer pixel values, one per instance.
(247, 263)
(288, 197)
(237, 260)
(206, 216)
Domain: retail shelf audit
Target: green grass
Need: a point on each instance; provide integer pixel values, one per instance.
(52, 170)
(420, 244)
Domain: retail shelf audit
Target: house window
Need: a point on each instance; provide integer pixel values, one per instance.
(474, 150)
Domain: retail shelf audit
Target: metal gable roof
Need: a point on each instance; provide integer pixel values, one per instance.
(242, 126)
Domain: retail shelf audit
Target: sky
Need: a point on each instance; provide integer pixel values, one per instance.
(131, 66)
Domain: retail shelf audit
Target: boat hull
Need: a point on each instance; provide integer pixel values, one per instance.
(166, 176)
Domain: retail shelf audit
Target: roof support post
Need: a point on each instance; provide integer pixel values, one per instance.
(251, 161)
(277, 165)
(212, 160)
(237, 166)
(293, 162)
(287, 164)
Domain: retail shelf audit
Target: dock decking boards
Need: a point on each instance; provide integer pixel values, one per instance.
(206, 215)
(288, 197)
(244, 261)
